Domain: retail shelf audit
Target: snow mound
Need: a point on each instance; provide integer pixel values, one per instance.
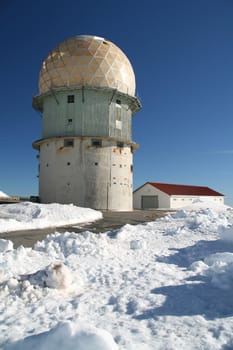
(29, 215)
(181, 214)
(55, 275)
(220, 270)
(68, 336)
(3, 195)
(137, 244)
(5, 245)
(61, 246)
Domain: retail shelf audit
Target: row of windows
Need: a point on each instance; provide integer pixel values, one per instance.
(71, 99)
(114, 183)
(94, 143)
(69, 143)
(191, 199)
(121, 184)
(118, 122)
(96, 164)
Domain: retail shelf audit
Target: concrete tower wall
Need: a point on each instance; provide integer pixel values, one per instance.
(93, 112)
(86, 175)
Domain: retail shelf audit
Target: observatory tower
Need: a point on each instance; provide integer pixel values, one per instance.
(87, 99)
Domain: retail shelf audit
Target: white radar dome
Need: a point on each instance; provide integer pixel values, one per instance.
(87, 61)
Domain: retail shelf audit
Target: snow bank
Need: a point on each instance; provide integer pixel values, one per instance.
(5, 245)
(220, 270)
(3, 195)
(27, 215)
(68, 336)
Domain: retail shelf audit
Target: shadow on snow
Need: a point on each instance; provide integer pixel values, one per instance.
(192, 299)
(184, 257)
(198, 298)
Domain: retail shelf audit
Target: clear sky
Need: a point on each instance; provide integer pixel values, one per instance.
(182, 54)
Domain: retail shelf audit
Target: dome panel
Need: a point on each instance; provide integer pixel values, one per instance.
(93, 45)
(58, 64)
(105, 66)
(101, 51)
(82, 61)
(110, 57)
(97, 61)
(88, 61)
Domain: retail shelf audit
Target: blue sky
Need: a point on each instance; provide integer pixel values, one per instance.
(182, 54)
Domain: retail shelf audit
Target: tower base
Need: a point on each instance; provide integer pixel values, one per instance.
(89, 172)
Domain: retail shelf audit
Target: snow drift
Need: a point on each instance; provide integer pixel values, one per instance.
(68, 336)
(3, 195)
(27, 215)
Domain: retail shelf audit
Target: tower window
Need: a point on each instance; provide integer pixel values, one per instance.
(69, 143)
(70, 99)
(70, 121)
(96, 143)
(68, 163)
(120, 144)
(118, 102)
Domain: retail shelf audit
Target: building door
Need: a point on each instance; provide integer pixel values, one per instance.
(150, 202)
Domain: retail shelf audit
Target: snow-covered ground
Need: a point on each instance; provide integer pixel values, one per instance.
(161, 285)
(27, 215)
(3, 195)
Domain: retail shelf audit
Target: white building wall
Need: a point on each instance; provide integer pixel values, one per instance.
(149, 190)
(183, 201)
(180, 201)
(88, 176)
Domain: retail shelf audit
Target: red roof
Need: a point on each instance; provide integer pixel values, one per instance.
(184, 190)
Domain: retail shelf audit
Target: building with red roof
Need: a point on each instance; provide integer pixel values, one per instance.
(155, 195)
